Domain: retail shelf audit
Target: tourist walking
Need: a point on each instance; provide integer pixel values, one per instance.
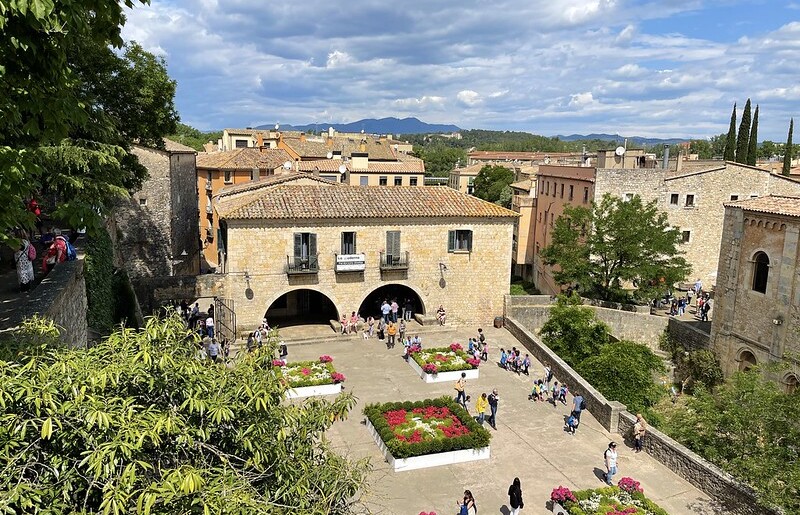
(494, 400)
(213, 351)
(578, 405)
(381, 329)
(391, 332)
(370, 325)
(210, 327)
(441, 315)
(515, 497)
(480, 407)
(394, 307)
(385, 310)
(461, 396)
(639, 430)
(610, 457)
(24, 258)
(467, 506)
(401, 330)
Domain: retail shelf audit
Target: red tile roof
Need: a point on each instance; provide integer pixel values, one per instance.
(270, 180)
(772, 204)
(243, 159)
(332, 165)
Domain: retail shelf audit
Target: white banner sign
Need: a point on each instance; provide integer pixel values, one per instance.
(350, 262)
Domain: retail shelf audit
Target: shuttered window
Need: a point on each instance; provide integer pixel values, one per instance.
(392, 244)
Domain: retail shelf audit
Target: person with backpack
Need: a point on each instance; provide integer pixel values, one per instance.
(572, 424)
(578, 405)
(57, 252)
(610, 459)
(24, 258)
(515, 497)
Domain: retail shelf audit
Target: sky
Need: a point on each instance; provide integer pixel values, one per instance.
(654, 68)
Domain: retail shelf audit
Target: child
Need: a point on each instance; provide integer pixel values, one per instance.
(485, 352)
(470, 346)
(542, 390)
(466, 403)
(555, 391)
(572, 424)
(526, 363)
(562, 394)
(503, 358)
(534, 392)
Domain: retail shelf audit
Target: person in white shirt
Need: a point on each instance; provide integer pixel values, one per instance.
(210, 327)
(610, 457)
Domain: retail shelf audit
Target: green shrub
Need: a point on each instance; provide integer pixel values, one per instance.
(99, 275)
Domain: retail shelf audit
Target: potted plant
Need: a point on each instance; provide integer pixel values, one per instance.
(558, 496)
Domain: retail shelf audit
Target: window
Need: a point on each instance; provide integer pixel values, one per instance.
(734, 198)
(555, 186)
(348, 243)
(383, 180)
(690, 200)
(412, 181)
(760, 272)
(305, 250)
(398, 180)
(562, 190)
(540, 217)
(363, 180)
(571, 188)
(552, 217)
(459, 241)
(240, 143)
(753, 195)
(674, 198)
(686, 236)
(392, 246)
(332, 178)
(142, 201)
(228, 179)
(585, 195)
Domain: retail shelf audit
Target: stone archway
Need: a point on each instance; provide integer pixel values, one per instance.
(790, 383)
(747, 360)
(371, 305)
(301, 306)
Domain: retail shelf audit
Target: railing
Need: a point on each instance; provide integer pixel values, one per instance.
(296, 265)
(394, 262)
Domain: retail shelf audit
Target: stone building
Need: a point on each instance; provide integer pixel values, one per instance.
(757, 301)
(157, 225)
(692, 196)
(310, 250)
(523, 202)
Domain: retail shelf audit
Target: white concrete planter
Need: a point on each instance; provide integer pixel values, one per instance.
(311, 391)
(557, 509)
(442, 377)
(428, 460)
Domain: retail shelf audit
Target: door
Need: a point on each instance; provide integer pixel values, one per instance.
(392, 247)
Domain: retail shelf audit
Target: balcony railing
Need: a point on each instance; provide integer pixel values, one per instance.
(394, 261)
(298, 265)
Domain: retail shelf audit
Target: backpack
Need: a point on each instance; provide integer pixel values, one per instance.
(71, 254)
(31, 251)
(583, 404)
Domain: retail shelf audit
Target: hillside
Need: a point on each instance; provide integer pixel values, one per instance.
(389, 125)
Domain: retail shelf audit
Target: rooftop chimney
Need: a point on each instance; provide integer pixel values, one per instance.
(329, 141)
(259, 140)
(363, 146)
(302, 136)
(666, 157)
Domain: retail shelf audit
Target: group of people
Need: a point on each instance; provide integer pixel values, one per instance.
(468, 506)
(702, 298)
(57, 249)
(514, 361)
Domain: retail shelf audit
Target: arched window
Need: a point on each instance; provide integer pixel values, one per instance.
(790, 383)
(760, 272)
(746, 361)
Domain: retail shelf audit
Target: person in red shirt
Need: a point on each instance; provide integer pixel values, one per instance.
(56, 252)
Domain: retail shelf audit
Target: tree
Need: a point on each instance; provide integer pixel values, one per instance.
(624, 372)
(139, 424)
(730, 141)
(752, 149)
(718, 146)
(439, 159)
(192, 137)
(573, 332)
(616, 241)
(767, 149)
(702, 148)
(743, 140)
(492, 184)
(748, 428)
(69, 106)
(787, 150)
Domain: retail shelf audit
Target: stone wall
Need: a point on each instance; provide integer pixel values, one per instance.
(61, 297)
(691, 337)
(185, 237)
(153, 292)
(737, 497)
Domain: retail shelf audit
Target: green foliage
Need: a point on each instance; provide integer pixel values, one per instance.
(611, 498)
(520, 287)
(616, 241)
(492, 184)
(624, 371)
(730, 141)
(787, 152)
(752, 148)
(573, 332)
(743, 139)
(439, 159)
(692, 369)
(767, 150)
(192, 137)
(477, 437)
(748, 428)
(99, 274)
(69, 107)
(297, 380)
(138, 424)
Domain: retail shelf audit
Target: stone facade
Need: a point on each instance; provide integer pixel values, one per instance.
(158, 224)
(688, 334)
(470, 285)
(752, 327)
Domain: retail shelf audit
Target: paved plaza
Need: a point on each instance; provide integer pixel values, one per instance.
(530, 441)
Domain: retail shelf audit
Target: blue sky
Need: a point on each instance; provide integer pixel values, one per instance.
(658, 68)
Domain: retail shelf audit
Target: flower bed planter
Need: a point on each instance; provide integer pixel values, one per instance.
(443, 364)
(310, 378)
(429, 433)
(625, 499)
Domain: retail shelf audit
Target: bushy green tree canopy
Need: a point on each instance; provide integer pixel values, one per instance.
(573, 332)
(492, 184)
(616, 241)
(138, 423)
(440, 159)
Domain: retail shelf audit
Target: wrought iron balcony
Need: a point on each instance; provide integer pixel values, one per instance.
(299, 265)
(394, 261)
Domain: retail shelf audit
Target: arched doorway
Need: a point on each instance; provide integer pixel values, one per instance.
(401, 293)
(300, 307)
(790, 384)
(747, 360)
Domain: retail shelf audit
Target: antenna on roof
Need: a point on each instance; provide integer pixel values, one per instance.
(287, 165)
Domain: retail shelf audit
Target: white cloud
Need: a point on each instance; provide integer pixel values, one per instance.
(338, 58)
(469, 98)
(582, 99)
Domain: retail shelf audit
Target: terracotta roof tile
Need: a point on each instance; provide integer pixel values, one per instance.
(270, 180)
(325, 202)
(773, 204)
(332, 165)
(243, 159)
(174, 146)
(316, 147)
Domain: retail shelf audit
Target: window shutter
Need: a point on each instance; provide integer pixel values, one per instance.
(298, 244)
(355, 248)
(342, 247)
(451, 241)
(312, 245)
(469, 241)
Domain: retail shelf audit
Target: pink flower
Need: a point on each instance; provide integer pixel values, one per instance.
(456, 347)
(338, 377)
(630, 485)
(474, 362)
(325, 359)
(561, 494)
(430, 368)
(278, 363)
(305, 371)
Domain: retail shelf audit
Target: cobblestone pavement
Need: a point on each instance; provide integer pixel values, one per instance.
(530, 442)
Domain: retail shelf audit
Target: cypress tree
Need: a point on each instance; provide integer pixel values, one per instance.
(752, 149)
(730, 142)
(743, 140)
(787, 151)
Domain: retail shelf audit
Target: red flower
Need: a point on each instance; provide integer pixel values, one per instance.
(325, 359)
(456, 347)
(430, 368)
(305, 371)
(278, 363)
(475, 363)
(338, 377)
(630, 485)
(561, 494)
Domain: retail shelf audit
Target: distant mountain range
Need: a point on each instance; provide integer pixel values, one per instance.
(633, 140)
(373, 126)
